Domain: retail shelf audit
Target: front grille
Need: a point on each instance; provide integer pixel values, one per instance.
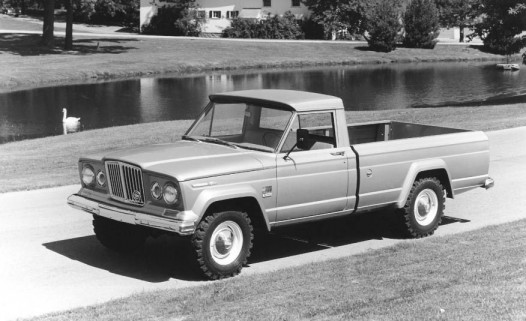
(125, 182)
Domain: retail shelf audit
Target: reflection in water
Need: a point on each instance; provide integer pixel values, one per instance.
(37, 113)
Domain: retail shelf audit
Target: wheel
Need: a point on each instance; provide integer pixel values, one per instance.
(222, 242)
(424, 207)
(118, 236)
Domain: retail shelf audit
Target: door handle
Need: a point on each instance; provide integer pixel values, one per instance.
(342, 153)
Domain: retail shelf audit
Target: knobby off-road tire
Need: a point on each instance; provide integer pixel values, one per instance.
(222, 243)
(424, 207)
(118, 236)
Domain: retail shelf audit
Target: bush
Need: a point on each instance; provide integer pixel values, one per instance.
(107, 12)
(276, 27)
(421, 24)
(383, 27)
(312, 29)
(173, 21)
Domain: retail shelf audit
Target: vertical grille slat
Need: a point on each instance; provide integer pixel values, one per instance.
(125, 182)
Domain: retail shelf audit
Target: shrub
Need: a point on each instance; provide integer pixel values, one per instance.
(421, 24)
(312, 29)
(173, 21)
(275, 27)
(383, 27)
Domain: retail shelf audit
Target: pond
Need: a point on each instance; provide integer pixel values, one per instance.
(38, 112)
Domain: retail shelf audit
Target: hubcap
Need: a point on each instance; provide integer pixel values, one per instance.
(226, 243)
(426, 207)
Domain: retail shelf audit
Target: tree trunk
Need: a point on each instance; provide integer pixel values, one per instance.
(48, 37)
(68, 44)
(461, 37)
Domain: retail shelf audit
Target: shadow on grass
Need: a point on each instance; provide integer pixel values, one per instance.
(173, 257)
(28, 45)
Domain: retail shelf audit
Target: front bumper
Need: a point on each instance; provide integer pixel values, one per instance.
(131, 217)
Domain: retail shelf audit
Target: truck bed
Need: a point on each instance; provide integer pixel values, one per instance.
(393, 130)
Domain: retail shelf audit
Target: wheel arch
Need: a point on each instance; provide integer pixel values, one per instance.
(247, 204)
(430, 168)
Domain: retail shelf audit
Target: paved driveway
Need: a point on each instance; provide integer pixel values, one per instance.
(51, 261)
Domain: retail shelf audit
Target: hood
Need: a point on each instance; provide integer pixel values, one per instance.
(187, 160)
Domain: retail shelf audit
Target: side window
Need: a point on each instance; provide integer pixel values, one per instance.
(320, 127)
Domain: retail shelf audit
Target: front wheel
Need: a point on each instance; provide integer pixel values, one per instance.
(424, 207)
(222, 242)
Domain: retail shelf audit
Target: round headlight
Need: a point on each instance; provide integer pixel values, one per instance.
(101, 178)
(157, 191)
(170, 194)
(88, 175)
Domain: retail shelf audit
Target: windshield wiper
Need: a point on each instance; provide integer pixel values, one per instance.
(186, 137)
(217, 141)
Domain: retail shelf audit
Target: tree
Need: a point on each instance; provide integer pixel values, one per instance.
(457, 13)
(421, 24)
(383, 26)
(177, 19)
(501, 25)
(68, 43)
(338, 15)
(48, 37)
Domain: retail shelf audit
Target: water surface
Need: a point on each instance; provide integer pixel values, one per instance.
(38, 112)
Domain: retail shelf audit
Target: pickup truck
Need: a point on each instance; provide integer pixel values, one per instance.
(260, 159)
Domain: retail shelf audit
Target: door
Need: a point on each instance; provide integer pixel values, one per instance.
(312, 181)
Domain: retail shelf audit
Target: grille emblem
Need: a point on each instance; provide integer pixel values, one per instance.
(136, 196)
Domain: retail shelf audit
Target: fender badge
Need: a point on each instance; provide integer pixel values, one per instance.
(266, 191)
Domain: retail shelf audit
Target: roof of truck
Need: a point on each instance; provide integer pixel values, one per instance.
(290, 99)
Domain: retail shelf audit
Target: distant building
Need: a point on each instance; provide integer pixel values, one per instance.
(219, 13)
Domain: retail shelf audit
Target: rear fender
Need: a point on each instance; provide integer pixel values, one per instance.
(421, 167)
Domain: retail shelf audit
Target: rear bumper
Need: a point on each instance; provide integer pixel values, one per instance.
(131, 217)
(489, 183)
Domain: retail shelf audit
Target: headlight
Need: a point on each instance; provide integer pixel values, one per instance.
(88, 175)
(157, 191)
(170, 193)
(101, 178)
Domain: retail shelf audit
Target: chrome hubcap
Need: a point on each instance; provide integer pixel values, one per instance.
(226, 243)
(426, 207)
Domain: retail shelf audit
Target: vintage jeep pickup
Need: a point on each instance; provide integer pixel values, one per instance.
(268, 158)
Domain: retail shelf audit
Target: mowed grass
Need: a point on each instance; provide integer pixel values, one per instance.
(479, 275)
(52, 161)
(24, 64)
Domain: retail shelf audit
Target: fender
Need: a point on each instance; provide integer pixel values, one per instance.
(415, 169)
(221, 193)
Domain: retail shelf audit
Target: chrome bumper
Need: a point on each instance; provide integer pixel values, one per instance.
(130, 217)
(489, 183)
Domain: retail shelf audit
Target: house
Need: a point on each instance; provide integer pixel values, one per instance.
(219, 13)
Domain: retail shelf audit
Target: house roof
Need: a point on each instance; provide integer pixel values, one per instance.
(289, 99)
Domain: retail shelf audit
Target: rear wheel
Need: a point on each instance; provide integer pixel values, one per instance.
(118, 236)
(222, 242)
(424, 207)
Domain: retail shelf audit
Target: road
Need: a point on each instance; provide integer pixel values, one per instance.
(51, 261)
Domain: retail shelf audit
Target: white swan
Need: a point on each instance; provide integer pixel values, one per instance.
(68, 120)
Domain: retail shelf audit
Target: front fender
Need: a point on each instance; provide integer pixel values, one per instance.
(417, 168)
(210, 196)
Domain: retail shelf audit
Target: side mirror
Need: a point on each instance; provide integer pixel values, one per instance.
(303, 139)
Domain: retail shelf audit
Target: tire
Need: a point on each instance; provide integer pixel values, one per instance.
(424, 207)
(118, 236)
(222, 243)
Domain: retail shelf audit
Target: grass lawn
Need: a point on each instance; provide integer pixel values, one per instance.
(26, 65)
(52, 161)
(479, 275)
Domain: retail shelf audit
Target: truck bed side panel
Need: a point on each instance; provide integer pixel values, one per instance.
(386, 165)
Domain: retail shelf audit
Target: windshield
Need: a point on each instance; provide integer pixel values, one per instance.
(241, 125)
